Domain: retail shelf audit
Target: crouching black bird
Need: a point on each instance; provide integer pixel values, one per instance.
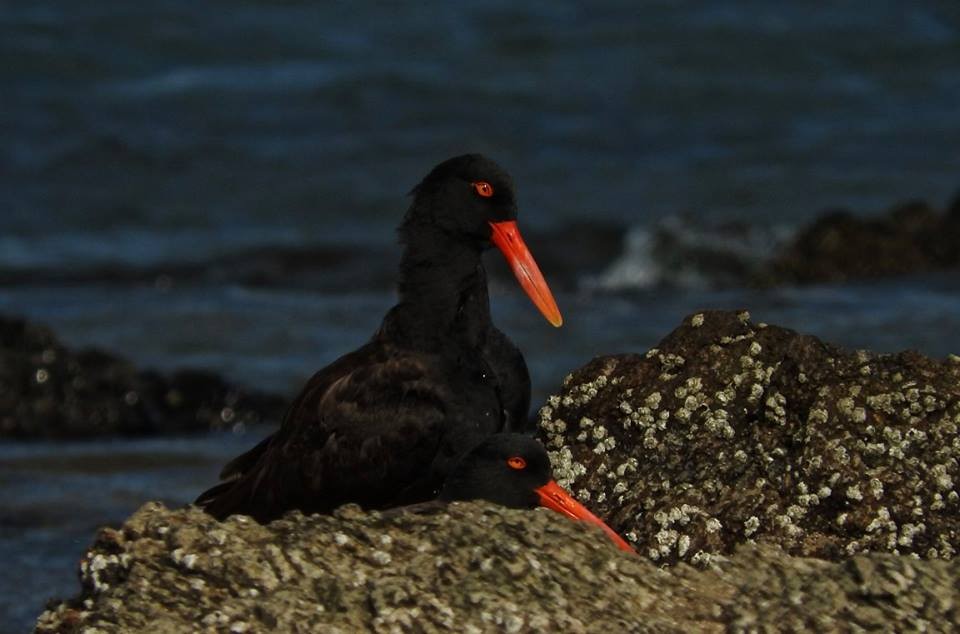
(513, 470)
(384, 425)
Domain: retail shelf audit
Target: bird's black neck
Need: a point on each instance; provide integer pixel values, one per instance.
(443, 292)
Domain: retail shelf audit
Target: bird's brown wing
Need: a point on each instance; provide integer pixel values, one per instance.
(366, 429)
(317, 384)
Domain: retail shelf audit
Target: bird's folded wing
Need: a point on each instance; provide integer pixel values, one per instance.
(370, 436)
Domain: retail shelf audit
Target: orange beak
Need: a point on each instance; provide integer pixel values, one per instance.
(555, 498)
(507, 238)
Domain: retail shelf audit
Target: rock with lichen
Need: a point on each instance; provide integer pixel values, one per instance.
(50, 391)
(731, 432)
(472, 567)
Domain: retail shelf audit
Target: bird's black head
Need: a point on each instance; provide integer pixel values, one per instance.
(461, 197)
(505, 468)
(514, 471)
(464, 205)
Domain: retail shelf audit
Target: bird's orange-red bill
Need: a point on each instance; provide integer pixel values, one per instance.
(507, 238)
(555, 498)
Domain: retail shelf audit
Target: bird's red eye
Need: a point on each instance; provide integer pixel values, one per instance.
(483, 188)
(516, 462)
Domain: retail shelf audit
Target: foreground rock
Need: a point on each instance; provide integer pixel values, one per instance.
(49, 391)
(737, 447)
(472, 568)
(730, 432)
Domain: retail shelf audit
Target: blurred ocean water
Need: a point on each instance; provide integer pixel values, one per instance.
(217, 184)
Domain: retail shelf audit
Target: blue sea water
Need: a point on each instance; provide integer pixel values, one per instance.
(153, 153)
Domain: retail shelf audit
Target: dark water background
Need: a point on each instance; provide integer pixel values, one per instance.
(162, 164)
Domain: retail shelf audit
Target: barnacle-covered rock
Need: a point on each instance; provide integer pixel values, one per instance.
(731, 432)
(472, 567)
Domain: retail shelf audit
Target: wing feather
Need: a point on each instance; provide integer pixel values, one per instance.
(365, 429)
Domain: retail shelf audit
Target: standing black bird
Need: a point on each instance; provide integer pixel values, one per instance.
(385, 425)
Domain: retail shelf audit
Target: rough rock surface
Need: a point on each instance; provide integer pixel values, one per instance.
(731, 432)
(49, 391)
(471, 568)
(911, 238)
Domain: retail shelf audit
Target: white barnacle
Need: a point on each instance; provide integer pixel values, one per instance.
(908, 531)
(653, 400)
(381, 558)
(941, 478)
(701, 558)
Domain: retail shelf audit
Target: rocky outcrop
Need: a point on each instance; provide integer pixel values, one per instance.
(471, 568)
(730, 432)
(50, 391)
(911, 238)
(770, 482)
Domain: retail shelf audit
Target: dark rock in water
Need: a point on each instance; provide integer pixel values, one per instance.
(49, 391)
(953, 211)
(730, 432)
(838, 246)
(470, 568)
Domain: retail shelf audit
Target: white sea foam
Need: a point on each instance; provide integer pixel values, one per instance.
(677, 252)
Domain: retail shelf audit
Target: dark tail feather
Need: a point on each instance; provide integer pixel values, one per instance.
(235, 494)
(245, 461)
(221, 500)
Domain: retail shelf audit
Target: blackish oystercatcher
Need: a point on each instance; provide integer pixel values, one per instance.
(513, 470)
(384, 426)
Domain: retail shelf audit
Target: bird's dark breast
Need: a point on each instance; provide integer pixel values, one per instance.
(511, 377)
